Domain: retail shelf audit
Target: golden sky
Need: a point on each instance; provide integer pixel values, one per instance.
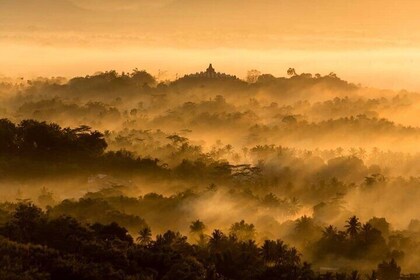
(373, 42)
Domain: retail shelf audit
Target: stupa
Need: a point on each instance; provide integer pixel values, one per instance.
(210, 73)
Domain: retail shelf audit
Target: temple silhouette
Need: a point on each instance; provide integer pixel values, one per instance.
(210, 73)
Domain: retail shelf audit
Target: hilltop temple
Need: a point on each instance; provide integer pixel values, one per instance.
(210, 73)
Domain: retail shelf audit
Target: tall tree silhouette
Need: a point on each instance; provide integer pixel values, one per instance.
(145, 236)
(353, 226)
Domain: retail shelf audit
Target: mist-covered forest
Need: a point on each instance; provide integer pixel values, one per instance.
(208, 176)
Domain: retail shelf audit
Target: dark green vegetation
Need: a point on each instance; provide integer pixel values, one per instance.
(241, 168)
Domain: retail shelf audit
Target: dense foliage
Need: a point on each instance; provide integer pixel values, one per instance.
(36, 246)
(208, 177)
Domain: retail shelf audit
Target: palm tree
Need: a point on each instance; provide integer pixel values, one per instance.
(304, 224)
(243, 231)
(278, 253)
(366, 230)
(268, 252)
(145, 236)
(197, 232)
(197, 227)
(330, 232)
(216, 239)
(293, 257)
(353, 226)
(367, 227)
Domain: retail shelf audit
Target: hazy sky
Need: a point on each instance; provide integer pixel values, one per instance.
(373, 42)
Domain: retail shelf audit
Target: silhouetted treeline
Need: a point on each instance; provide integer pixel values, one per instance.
(34, 148)
(35, 245)
(353, 245)
(40, 140)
